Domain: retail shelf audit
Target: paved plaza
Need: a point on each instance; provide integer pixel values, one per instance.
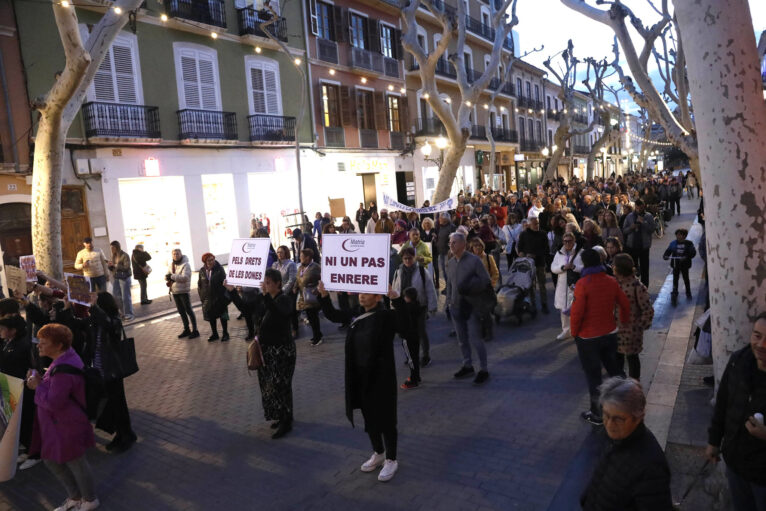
(203, 443)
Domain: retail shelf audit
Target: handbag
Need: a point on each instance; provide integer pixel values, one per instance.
(147, 269)
(309, 296)
(127, 354)
(254, 355)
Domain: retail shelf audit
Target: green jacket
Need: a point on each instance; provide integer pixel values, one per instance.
(421, 250)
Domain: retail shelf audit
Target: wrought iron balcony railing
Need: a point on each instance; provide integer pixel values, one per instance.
(250, 24)
(271, 128)
(207, 124)
(118, 120)
(209, 12)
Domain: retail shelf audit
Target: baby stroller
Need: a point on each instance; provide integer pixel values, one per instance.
(514, 297)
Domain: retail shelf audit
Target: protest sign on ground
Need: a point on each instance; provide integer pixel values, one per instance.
(247, 261)
(356, 263)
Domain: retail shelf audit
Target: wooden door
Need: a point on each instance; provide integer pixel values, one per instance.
(74, 223)
(369, 190)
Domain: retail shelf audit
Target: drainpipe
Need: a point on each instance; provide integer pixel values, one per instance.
(9, 113)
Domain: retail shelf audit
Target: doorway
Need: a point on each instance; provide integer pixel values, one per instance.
(369, 190)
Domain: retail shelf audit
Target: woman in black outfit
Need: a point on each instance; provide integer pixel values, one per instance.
(215, 304)
(16, 359)
(276, 375)
(101, 352)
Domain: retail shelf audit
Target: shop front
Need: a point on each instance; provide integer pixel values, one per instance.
(529, 172)
(427, 176)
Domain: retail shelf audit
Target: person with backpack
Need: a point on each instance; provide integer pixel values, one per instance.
(102, 352)
(680, 252)
(65, 432)
(412, 274)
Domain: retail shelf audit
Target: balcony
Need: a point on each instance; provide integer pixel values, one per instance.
(430, 126)
(209, 12)
(581, 149)
(580, 118)
(443, 68)
(530, 146)
(368, 137)
(505, 135)
(327, 50)
(206, 125)
(371, 61)
(397, 140)
(334, 136)
(115, 120)
(478, 132)
(477, 27)
(509, 89)
(439, 5)
(271, 128)
(552, 114)
(250, 24)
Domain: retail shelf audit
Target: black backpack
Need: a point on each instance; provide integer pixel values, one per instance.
(95, 393)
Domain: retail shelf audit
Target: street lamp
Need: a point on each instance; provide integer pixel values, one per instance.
(441, 144)
(545, 152)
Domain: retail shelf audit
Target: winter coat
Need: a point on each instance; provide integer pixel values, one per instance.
(212, 293)
(534, 244)
(491, 267)
(289, 271)
(138, 260)
(595, 296)
(466, 279)
(97, 265)
(741, 394)
(630, 340)
(64, 428)
(180, 275)
(442, 237)
(563, 296)
(384, 225)
(275, 328)
(370, 365)
(421, 250)
(632, 475)
(422, 282)
(308, 242)
(308, 276)
(680, 254)
(122, 267)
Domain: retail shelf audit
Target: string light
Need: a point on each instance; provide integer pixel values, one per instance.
(486, 106)
(364, 80)
(258, 49)
(117, 10)
(214, 35)
(332, 72)
(297, 62)
(390, 87)
(64, 3)
(467, 103)
(426, 96)
(403, 90)
(164, 18)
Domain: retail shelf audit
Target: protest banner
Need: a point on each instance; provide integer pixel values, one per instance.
(247, 261)
(78, 288)
(11, 390)
(356, 263)
(446, 205)
(16, 280)
(29, 266)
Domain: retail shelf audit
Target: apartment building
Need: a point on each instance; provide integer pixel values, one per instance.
(188, 128)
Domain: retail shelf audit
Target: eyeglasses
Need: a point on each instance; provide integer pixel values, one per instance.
(569, 241)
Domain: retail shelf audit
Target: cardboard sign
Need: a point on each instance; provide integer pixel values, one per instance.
(247, 261)
(29, 266)
(356, 263)
(16, 280)
(11, 392)
(337, 207)
(78, 288)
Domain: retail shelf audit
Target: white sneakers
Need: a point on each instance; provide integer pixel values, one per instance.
(29, 463)
(374, 462)
(389, 466)
(69, 504)
(389, 469)
(563, 335)
(86, 505)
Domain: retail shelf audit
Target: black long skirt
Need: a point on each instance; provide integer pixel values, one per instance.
(276, 381)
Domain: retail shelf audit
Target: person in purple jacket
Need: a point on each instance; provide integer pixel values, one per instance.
(65, 432)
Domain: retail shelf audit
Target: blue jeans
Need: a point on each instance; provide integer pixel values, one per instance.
(745, 496)
(468, 334)
(442, 263)
(121, 288)
(98, 283)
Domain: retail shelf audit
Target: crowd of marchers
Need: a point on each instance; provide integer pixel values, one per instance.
(588, 241)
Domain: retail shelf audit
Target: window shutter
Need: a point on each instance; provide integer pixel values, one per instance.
(312, 8)
(320, 102)
(207, 84)
(340, 16)
(347, 106)
(373, 35)
(103, 83)
(124, 73)
(272, 91)
(404, 114)
(381, 122)
(259, 95)
(397, 45)
(190, 80)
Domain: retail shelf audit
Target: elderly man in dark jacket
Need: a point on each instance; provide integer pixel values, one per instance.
(302, 240)
(632, 473)
(737, 427)
(371, 372)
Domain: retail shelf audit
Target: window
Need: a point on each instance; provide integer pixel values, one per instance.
(467, 60)
(531, 129)
(505, 121)
(324, 21)
(519, 90)
(540, 132)
(387, 41)
(197, 77)
(556, 103)
(358, 35)
(529, 90)
(522, 130)
(394, 123)
(330, 105)
(550, 137)
(548, 99)
(537, 93)
(263, 86)
(365, 109)
(118, 78)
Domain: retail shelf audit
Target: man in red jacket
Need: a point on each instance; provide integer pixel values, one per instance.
(594, 328)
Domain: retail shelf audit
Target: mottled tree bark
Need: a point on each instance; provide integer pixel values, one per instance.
(730, 115)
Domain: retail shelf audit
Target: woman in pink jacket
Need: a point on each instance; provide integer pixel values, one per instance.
(65, 430)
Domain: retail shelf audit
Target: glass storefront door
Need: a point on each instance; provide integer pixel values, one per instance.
(220, 212)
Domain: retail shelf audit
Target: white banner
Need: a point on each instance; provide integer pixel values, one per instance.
(247, 261)
(447, 205)
(356, 263)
